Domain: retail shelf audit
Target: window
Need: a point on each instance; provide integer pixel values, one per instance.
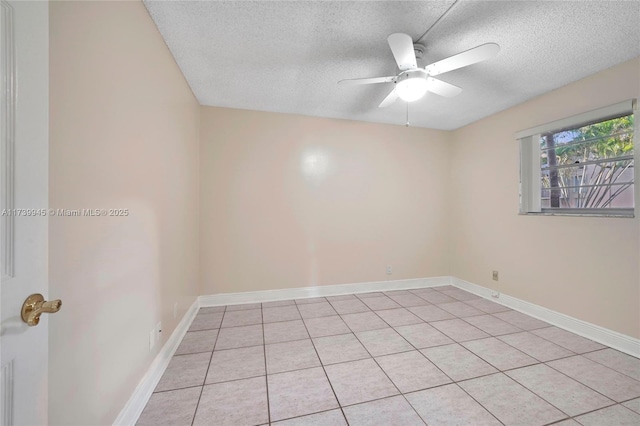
(580, 165)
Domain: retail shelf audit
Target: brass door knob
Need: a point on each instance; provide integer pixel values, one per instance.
(35, 305)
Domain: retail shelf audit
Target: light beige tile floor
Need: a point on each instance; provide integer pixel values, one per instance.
(436, 356)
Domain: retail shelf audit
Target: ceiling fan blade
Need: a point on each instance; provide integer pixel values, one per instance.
(402, 48)
(354, 81)
(442, 88)
(391, 98)
(469, 57)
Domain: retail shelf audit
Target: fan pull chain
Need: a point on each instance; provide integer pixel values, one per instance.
(407, 123)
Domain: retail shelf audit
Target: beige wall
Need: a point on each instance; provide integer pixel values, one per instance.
(583, 267)
(292, 201)
(124, 134)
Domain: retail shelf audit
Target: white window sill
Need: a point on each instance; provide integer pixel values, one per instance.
(630, 215)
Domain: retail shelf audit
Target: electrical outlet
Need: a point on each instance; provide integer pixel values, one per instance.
(389, 270)
(175, 310)
(152, 339)
(495, 275)
(154, 335)
(495, 294)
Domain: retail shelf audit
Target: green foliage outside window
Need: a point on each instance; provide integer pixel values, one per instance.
(590, 166)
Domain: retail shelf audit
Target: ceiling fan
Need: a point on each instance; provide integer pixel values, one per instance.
(412, 83)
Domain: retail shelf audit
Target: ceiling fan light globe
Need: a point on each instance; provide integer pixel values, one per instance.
(412, 89)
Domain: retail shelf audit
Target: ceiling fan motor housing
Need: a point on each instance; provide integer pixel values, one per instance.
(408, 74)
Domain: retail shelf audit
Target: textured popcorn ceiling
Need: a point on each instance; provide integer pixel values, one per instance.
(287, 56)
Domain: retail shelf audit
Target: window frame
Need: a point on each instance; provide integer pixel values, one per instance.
(530, 184)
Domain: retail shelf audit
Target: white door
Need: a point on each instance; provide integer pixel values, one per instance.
(24, 29)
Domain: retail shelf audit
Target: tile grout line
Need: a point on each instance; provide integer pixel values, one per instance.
(414, 348)
(323, 369)
(582, 414)
(495, 366)
(572, 354)
(629, 400)
(500, 371)
(497, 319)
(571, 350)
(539, 396)
(302, 415)
(460, 319)
(610, 368)
(266, 377)
(389, 378)
(578, 381)
(204, 380)
(463, 389)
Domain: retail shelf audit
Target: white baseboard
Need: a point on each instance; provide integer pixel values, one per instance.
(327, 290)
(138, 400)
(621, 342)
